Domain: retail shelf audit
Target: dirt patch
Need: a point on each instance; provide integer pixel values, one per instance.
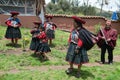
(13, 71)
(52, 67)
(93, 64)
(116, 58)
(15, 51)
(45, 68)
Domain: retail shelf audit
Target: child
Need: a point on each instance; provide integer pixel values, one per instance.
(35, 31)
(50, 29)
(43, 47)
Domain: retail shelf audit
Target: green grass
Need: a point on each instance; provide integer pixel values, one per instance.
(87, 73)
(26, 59)
(20, 61)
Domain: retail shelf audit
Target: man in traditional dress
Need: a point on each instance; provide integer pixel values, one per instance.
(107, 41)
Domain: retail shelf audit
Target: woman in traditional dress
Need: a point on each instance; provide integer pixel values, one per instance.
(80, 41)
(13, 32)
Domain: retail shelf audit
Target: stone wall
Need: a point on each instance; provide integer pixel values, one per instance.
(64, 22)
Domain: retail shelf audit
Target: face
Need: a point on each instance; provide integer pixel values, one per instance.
(108, 24)
(36, 25)
(75, 25)
(41, 29)
(49, 19)
(15, 16)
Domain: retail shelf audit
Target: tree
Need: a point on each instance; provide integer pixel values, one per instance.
(70, 7)
(64, 4)
(74, 3)
(102, 3)
(118, 6)
(85, 2)
(88, 10)
(54, 1)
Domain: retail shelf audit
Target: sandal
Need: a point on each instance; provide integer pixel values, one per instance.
(70, 70)
(78, 75)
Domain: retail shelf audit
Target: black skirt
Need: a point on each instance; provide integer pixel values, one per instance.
(50, 34)
(43, 47)
(34, 43)
(76, 58)
(12, 33)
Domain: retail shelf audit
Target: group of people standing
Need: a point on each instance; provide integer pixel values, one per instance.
(80, 40)
(42, 35)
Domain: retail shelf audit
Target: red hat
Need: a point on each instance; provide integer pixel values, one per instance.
(14, 13)
(37, 22)
(78, 19)
(49, 16)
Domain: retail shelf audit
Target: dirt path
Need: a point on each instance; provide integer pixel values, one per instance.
(15, 51)
(46, 68)
(53, 67)
(40, 68)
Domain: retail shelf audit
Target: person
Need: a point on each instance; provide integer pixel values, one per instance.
(43, 46)
(35, 31)
(77, 51)
(13, 32)
(50, 29)
(107, 41)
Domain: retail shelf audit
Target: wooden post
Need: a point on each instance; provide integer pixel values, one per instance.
(34, 8)
(25, 6)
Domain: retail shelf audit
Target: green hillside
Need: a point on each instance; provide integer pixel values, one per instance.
(16, 64)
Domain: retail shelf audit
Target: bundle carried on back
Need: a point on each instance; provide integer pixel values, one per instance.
(86, 37)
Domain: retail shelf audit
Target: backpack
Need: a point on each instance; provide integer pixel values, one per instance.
(86, 37)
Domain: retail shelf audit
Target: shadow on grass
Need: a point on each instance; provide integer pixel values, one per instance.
(39, 57)
(83, 74)
(100, 62)
(14, 45)
(52, 45)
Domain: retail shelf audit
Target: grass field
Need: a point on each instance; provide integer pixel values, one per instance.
(18, 65)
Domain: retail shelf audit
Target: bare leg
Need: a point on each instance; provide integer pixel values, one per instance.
(16, 41)
(50, 41)
(71, 65)
(37, 53)
(70, 69)
(44, 55)
(79, 68)
(12, 41)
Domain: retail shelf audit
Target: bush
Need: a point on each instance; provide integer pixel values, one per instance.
(97, 28)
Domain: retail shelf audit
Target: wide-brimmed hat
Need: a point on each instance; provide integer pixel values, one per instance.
(37, 22)
(78, 19)
(49, 16)
(14, 13)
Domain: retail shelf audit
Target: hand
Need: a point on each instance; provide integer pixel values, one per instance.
(15, 26)
(76, 51)
(103, 37)
(35, 29)
(68, 44)
(108, 39)
(94, 41)
(34, 35)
